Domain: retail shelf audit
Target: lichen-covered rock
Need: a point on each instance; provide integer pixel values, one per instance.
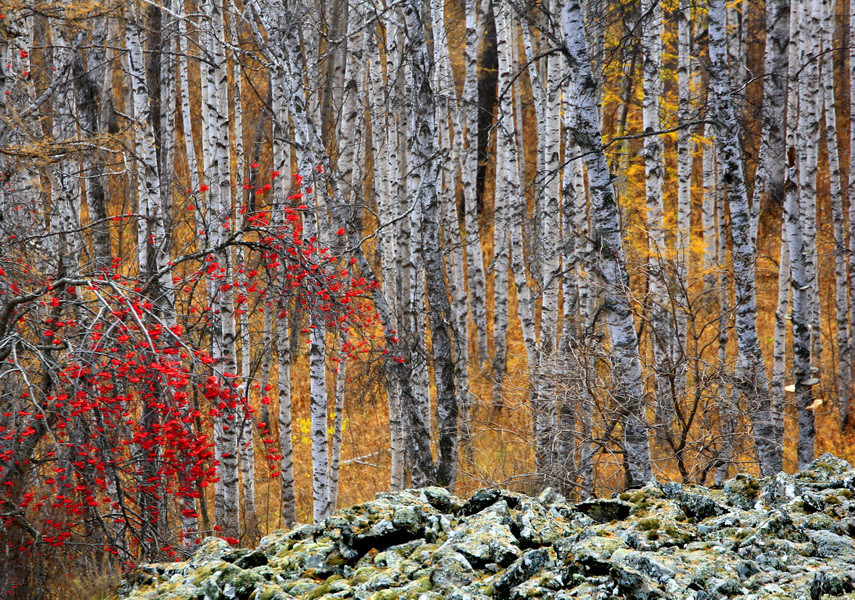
(742, 491)
(788, 536)
(604, 511)
(485, 538)
(452, 570)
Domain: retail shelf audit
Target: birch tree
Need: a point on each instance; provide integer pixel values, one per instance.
(846, 410)
(506, 185)
(807, 134)
(474, 253)
(611, 265)
(422, 148)
(661, 330)
(835, 183)
(751, 378)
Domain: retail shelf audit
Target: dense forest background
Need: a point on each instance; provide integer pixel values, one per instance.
(263, 258)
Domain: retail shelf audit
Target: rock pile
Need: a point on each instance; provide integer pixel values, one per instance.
(789, 536)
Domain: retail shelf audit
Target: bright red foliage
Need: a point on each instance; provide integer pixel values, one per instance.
(108, 393)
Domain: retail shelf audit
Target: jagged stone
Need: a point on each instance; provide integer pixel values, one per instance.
(531, 563)
(452, 570)
(788, 536)
(699, 506)
(742, 491)
(603, 510)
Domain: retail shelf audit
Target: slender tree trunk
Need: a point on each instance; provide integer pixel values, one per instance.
(380, 142)
(338, 425)
(421, 133)
(727, 404)
(506, 185)
(264, 386)
(807, 147)
(282, 325)
(779, 345)
(318, 406)
(572, 363)
(246, 438)
(88, 98)
(751, 379)
(661, 329)
(770, 183)
(611, 264)
(846, 411)
(219, 200)
(448, 113)
(801, 327)
(152, 244)
(685, 166)
(827, 19)
(550, 275)
(283, 352)
(708, 215)
(474, 252)
(771, 162)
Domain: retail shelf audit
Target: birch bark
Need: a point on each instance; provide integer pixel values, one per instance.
(545, 409)
(808, 154)
(421, 132)
(844, 367)
(685, 166)
(506, 187)
(449, 132)
(846, 414)
(771, 161)
(88, 99)
(611, 264)
(282, 325)
(801, 325)
(751, 379)
(381, 154)
(779, 344)
(726, 397)
(474, 252)
(661, 329)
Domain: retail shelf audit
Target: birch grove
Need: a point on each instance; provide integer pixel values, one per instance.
(262, 260)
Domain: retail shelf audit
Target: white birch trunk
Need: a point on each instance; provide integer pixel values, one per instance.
(770, 182)
(709, 261)
(422, 135)
(282, 323)
(550, 225)
(751, 379)
(474, 253)
(387, 256)
(685, 167)
(318, 410)
(725, 394)
(449, 113)
(338, 425)
(286, 444)
(506, 179)
(246, 439)
(187, 126)
(771, 161)
(779, 344)
(844, 370)
(807, 147)
(661, 329)
(539, 89)
(611, 264)
(219, 205)
(846, 411)
(801, 326)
